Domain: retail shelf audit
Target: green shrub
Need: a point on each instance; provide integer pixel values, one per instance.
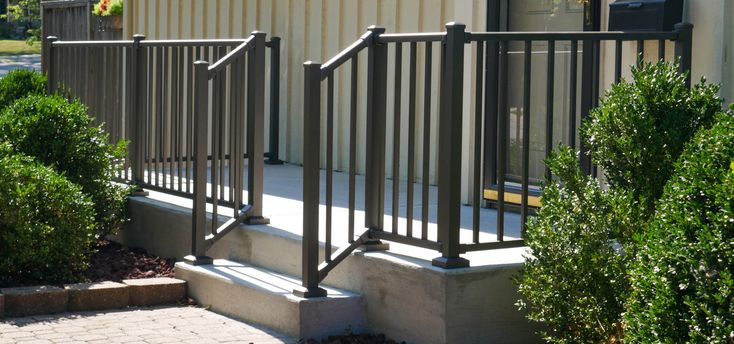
(59, 133)
(640, 127)
(20, 83)
(46, 223)
(683, 277)
(574, 282)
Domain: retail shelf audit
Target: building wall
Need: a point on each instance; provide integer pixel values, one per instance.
(318, 29)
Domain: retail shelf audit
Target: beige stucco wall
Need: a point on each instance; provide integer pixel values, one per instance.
(318, 29)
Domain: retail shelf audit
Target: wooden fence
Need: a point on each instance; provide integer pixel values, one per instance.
(72, 20)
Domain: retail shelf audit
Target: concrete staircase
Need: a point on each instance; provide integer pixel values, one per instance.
(397, 292)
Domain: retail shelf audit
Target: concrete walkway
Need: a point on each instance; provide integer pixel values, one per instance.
(8, 63)
(170, 324)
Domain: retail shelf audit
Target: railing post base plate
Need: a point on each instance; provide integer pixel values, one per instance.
(138, 191)
(198, 260)
(450, 263)
(257, 220)
(307, 293)
(372, 245)
(273, 162)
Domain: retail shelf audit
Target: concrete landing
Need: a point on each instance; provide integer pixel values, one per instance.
(265, 297)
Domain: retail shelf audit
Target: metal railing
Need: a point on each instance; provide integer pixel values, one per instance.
(192, 127)
(490, 102)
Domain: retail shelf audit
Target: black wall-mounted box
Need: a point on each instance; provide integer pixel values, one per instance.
(645, 15)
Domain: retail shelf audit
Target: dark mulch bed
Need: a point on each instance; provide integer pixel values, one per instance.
(351, 338)
(114, 262)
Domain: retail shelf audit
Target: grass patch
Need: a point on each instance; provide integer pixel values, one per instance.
(14, 47)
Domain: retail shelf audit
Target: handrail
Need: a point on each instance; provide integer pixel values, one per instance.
(241, 49)
(412, 37)
(574, 35)
(92, 43)
(345, 54)
(201, 42)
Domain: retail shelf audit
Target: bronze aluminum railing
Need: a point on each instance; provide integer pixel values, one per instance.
(184, 139)
(105, 77)
(491, 102)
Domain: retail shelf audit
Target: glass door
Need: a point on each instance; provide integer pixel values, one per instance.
(533, 16)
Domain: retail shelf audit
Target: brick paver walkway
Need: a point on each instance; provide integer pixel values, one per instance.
(138, 325)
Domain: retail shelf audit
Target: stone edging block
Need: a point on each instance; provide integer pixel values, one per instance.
(36, 300)
(96, 296)
(155, 291)
(23, 301)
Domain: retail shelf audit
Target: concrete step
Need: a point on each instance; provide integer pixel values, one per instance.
(265, 297)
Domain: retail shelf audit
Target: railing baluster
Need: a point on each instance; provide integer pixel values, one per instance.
(352, 144)
(273, 158)
(329, 162)
(572, 95)
(426, 138)
(222, 114)
(640, 51)
(411, 140)
(502, 140)
(549, 102)
(684, 49)
(478, 115)
(618, 61)
(160, 86)
(526, 133)
(661, 50)
(396, 138)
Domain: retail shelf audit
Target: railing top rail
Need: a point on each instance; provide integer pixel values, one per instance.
(573, 35)
(241, 49)
(346, 54)
(412, 37)
(62, 44)
(189, 42)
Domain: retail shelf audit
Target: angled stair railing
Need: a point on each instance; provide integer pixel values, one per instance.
(491, 113)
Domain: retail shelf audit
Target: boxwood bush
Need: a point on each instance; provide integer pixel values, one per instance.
(576, 281)
(19, 84)
(683, 277)
(46, 223)
(640, 127)
(59, 133)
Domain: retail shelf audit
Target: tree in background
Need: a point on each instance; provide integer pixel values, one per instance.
(26, 14)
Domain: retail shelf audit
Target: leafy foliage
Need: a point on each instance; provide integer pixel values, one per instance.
(683, 277)
(575, 281)
(20, 83)
(46, 222)
(640, 127)
(28, 14)
(585, 237)
(59, 133)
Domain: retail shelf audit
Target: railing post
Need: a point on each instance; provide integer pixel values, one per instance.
(683, 48)
(201, 119)
(311, 179)
(135, 111)
(274, 103)
(376, 117)
(449, 148)
(256, 128)
(48, 60)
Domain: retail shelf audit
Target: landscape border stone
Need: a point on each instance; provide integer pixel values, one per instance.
(35, 300)
(96, 296)
(155, 291)
(39, 300)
